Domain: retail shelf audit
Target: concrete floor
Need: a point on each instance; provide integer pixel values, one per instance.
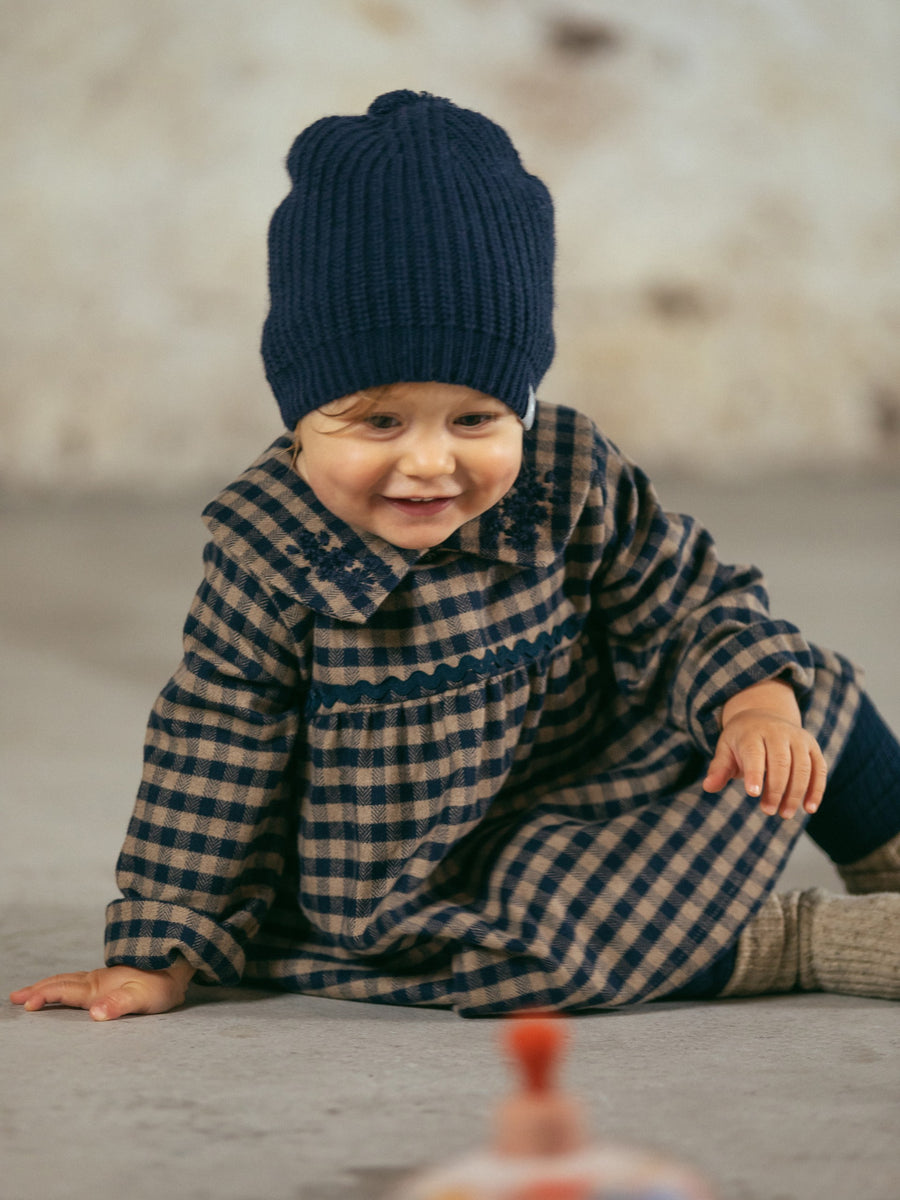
(250, 1096)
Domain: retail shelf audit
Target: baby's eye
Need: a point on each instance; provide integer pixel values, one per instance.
(475, 420)
(381, 421)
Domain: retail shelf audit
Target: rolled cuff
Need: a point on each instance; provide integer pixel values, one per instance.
(769, 650)
(148, 934)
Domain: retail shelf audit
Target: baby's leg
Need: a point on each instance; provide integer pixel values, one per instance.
(811, 941)
(858, 824)
(818, 942)
(814, 941)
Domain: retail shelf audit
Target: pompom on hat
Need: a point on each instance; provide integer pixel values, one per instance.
(412, 246)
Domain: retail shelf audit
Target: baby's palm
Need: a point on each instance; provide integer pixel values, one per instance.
(108, 992)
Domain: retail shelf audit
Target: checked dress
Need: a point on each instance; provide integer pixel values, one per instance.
(470, 776)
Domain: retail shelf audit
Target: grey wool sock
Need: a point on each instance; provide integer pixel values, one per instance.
(877, 872)
(815, 941)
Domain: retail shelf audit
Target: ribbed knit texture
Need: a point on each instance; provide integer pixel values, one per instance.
(877, 872)
(767, 950)
(850, 944)
(817, 942)
(861, 808)
(412, 246)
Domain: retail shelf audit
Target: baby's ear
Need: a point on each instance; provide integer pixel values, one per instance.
(296, 446)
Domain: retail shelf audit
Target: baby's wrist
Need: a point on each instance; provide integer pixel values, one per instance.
(181, 971)
(775, 697)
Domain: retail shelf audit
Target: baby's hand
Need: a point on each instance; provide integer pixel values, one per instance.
(110, 992)
(778, 759)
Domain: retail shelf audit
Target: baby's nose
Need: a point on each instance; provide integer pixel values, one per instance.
(428, 457)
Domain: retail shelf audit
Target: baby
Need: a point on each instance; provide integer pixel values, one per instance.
(464, 717)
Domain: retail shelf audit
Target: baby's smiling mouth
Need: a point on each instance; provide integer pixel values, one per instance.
(420, 499)
(423, 504)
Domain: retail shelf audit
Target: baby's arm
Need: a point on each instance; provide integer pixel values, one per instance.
(111, 992)
(764, 741)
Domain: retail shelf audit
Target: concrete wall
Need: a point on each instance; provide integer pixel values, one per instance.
(727, 179)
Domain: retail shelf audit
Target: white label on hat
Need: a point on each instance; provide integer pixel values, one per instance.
(528, 419)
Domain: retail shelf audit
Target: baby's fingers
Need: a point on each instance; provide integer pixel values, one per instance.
(818, 778)
(753, 765)
(110, 992)
(722, 769)
(794, 790)
(73, 991)
(777, 760)
(805, 785)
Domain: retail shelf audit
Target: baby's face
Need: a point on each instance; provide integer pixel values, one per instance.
(423, 460)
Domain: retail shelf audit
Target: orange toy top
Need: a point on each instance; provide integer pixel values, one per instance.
(540, 1150)
(539, 1120)
(537, 1043)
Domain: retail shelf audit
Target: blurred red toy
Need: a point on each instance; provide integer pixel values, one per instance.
(540, 1149)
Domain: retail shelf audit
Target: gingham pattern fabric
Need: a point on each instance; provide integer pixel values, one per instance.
(468, 777)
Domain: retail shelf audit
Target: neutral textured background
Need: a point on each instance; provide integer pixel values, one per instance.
(727, 179)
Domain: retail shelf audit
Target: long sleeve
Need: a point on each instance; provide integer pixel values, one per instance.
(211, 827)
(685, 631)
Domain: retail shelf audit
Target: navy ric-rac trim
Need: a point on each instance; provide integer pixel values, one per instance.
(467, 670)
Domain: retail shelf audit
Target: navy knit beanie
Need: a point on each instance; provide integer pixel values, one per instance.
(412, 246)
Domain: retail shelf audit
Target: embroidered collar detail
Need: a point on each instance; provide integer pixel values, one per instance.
(271, 523)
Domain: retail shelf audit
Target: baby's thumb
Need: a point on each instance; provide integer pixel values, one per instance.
(118, 1003)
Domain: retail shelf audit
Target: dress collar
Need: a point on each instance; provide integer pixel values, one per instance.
(272, 524)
